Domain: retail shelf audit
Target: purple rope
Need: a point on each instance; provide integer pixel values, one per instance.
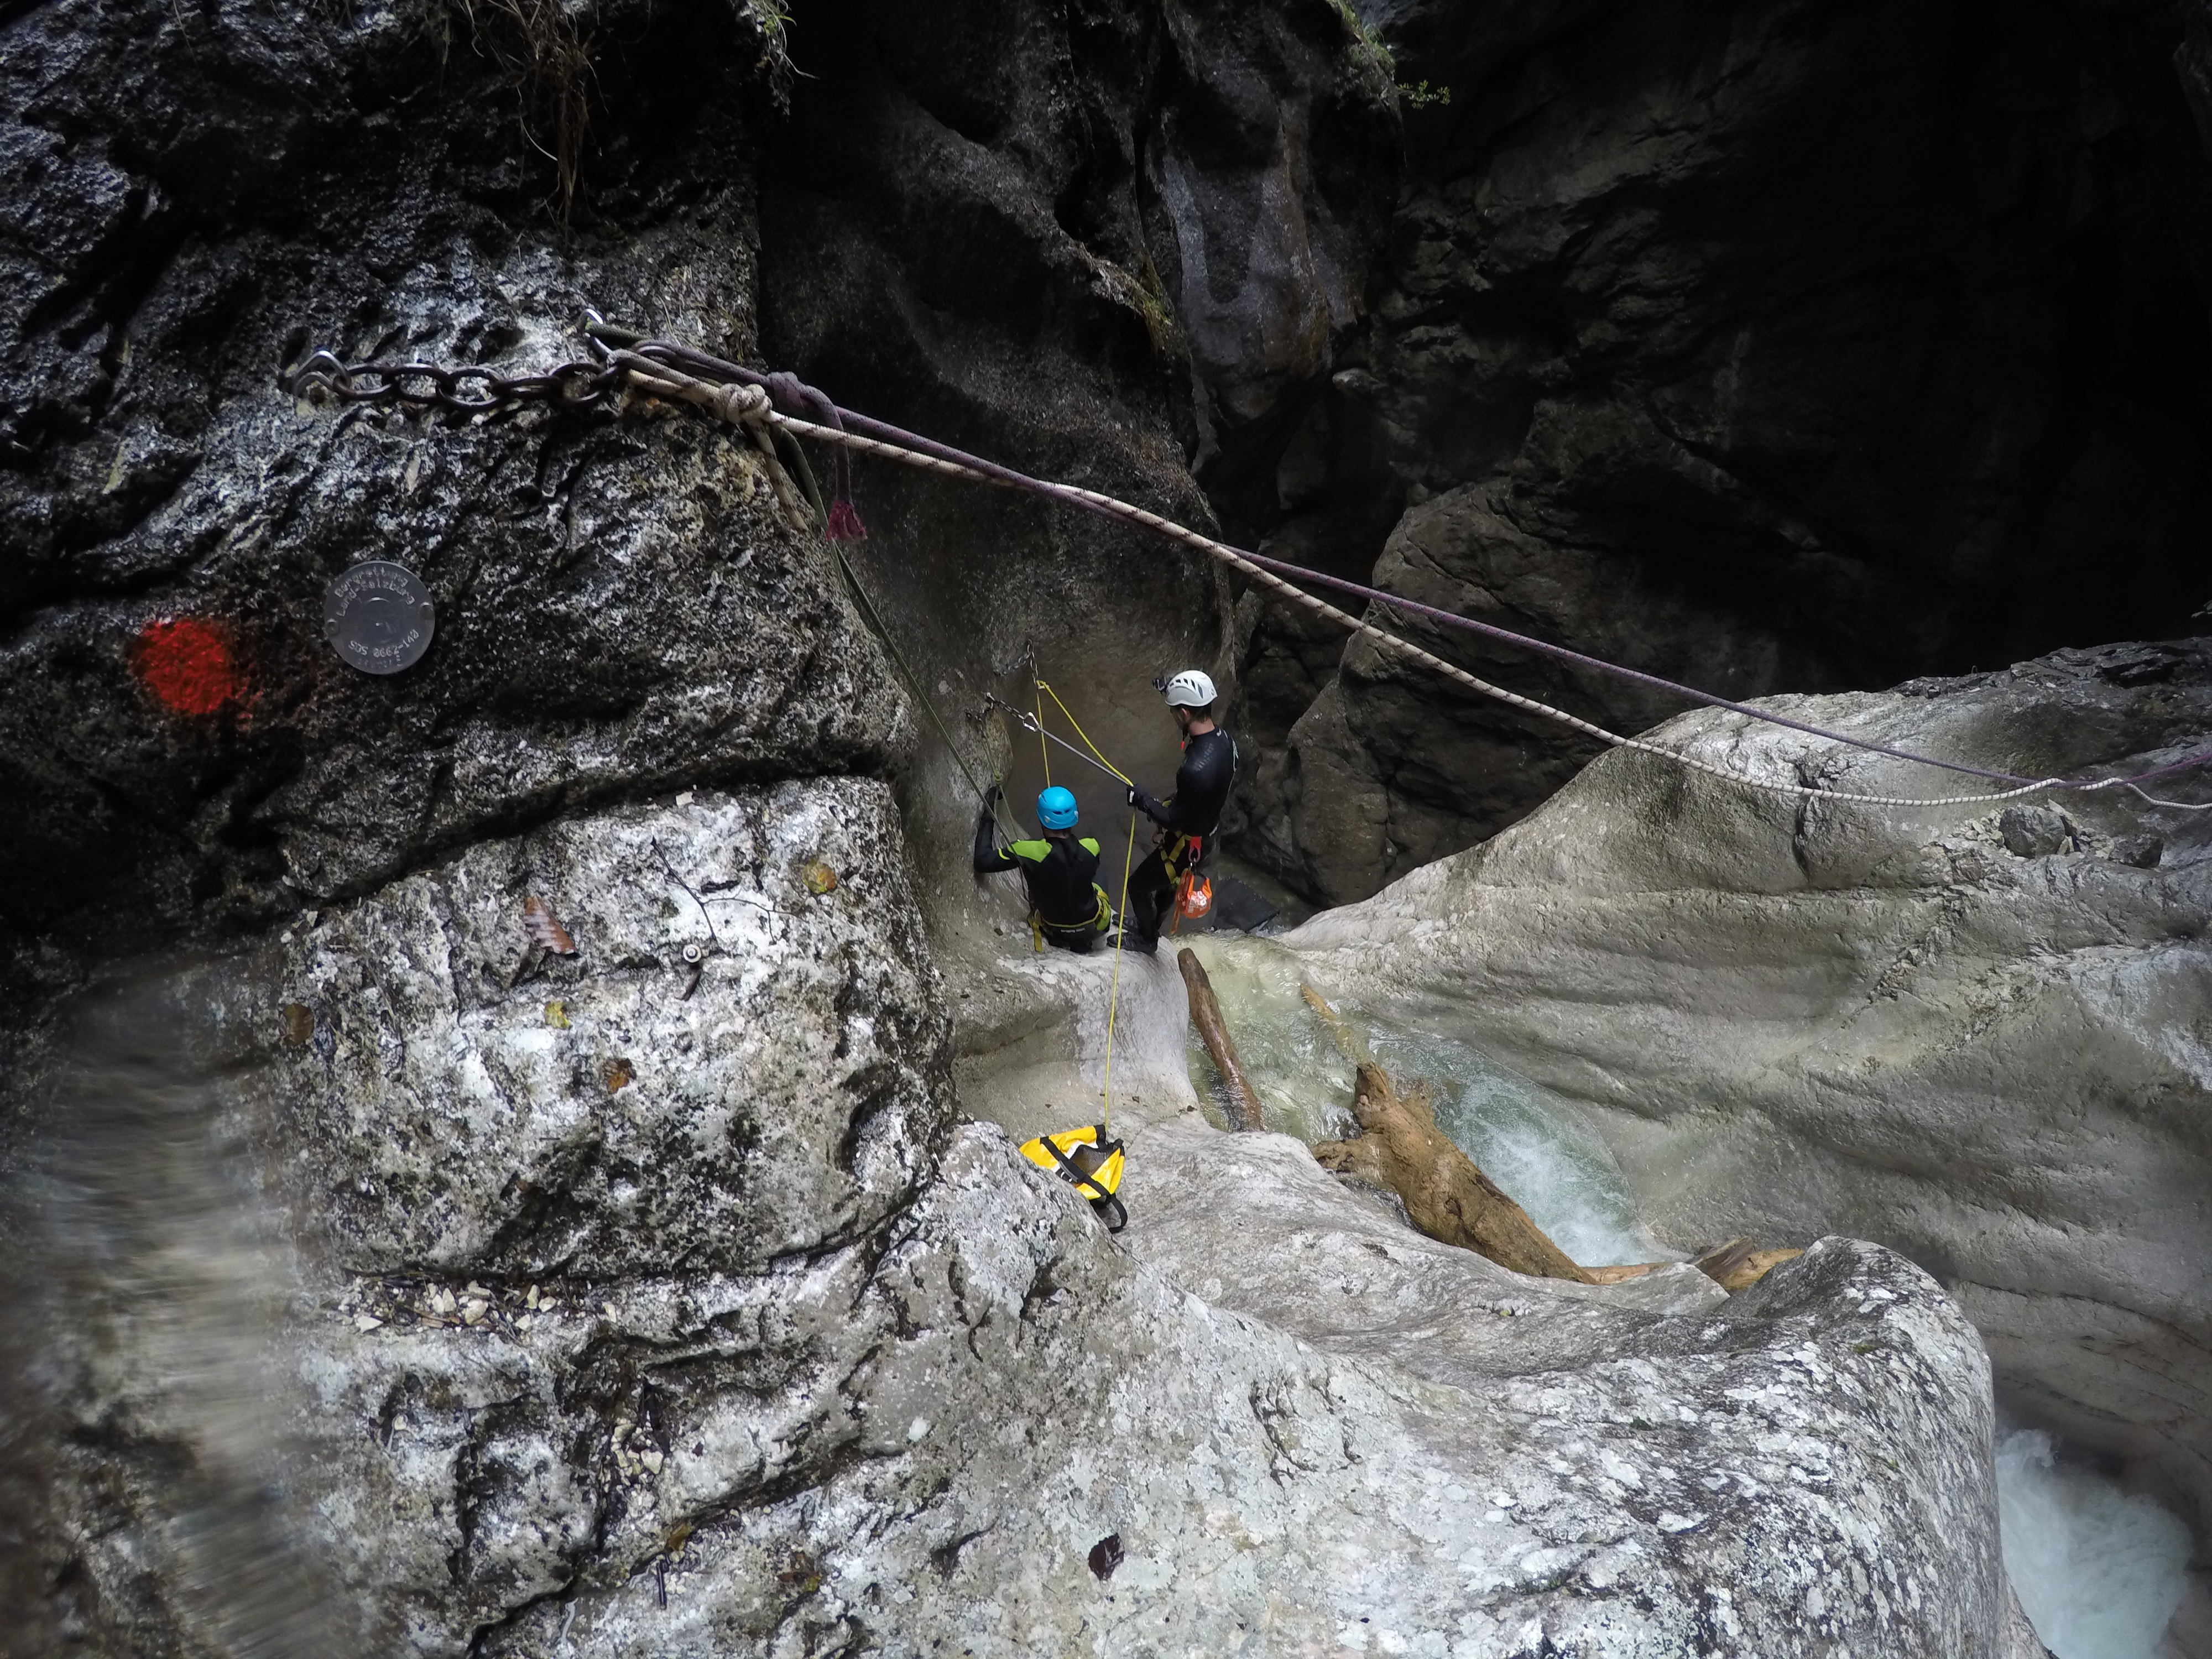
(1377, 596)
(790, 386)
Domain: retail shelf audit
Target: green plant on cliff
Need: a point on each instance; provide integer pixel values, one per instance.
(1369, 51)
(543, 47)
(544, 50)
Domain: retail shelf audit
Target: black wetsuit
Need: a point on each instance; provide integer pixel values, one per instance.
(1066, 904)
(1193, 812)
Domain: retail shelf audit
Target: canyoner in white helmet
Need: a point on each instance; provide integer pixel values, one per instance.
(1191, 689)
(1187, 818)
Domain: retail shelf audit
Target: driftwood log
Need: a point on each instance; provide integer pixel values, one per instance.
(1400, 1147)
(1448, 1197)
(1242, 1104)
(1740, 1264)
(1349, 1041)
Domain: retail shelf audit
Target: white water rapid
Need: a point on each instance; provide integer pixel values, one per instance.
(2099, 1571)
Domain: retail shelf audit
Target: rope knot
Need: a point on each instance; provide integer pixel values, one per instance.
(741, 405)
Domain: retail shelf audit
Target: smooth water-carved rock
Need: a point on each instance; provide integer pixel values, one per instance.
(1789, 1016)
(752, 1352)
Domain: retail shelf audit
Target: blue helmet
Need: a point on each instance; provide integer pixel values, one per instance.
(1056, 808)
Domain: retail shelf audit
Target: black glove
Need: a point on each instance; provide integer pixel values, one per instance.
(1133, 792)
(993, 795)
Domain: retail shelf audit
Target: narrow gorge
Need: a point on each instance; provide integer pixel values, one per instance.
(518, 1153)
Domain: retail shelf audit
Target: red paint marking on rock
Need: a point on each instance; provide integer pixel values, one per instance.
(189, 665)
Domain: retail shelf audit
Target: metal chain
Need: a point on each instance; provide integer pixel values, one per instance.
(467, 390)
(742, 396)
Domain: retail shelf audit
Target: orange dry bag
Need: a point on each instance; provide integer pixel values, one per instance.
(1195, 897)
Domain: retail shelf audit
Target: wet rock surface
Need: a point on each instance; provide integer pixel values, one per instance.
(818, 1373)
(1104, 243)
(410, 1267)
(1974, 1034)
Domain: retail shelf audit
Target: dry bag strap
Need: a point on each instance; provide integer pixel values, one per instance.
(1068, 1169)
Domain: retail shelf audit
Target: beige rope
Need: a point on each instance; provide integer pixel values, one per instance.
(745, 407)
(1267, 579)
(749, 406)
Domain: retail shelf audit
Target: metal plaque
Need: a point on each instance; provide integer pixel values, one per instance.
(379, 617)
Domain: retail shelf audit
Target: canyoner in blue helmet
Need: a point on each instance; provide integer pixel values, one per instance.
(1068, 910)
(1056, 808)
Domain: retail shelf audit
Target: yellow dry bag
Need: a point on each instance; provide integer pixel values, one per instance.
(1089, 1162)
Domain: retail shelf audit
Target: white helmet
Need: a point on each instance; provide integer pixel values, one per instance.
(1191, 689)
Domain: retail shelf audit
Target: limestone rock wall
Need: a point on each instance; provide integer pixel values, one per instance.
(197, 196)
(604, 1311)
(1794, 346)
(1104, 243)
(1975, 1034)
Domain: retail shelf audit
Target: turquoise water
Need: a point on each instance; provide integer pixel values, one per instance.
(1534, 1144)
(2099, 1571)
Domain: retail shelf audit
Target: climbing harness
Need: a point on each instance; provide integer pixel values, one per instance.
(672, 371)
(1098, 921)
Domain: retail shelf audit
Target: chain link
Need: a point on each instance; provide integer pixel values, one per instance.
(467, 390)
(746, 398)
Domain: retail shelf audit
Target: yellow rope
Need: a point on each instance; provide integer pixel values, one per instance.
(1043, 748)
(1114, 995)
(1079, 732)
